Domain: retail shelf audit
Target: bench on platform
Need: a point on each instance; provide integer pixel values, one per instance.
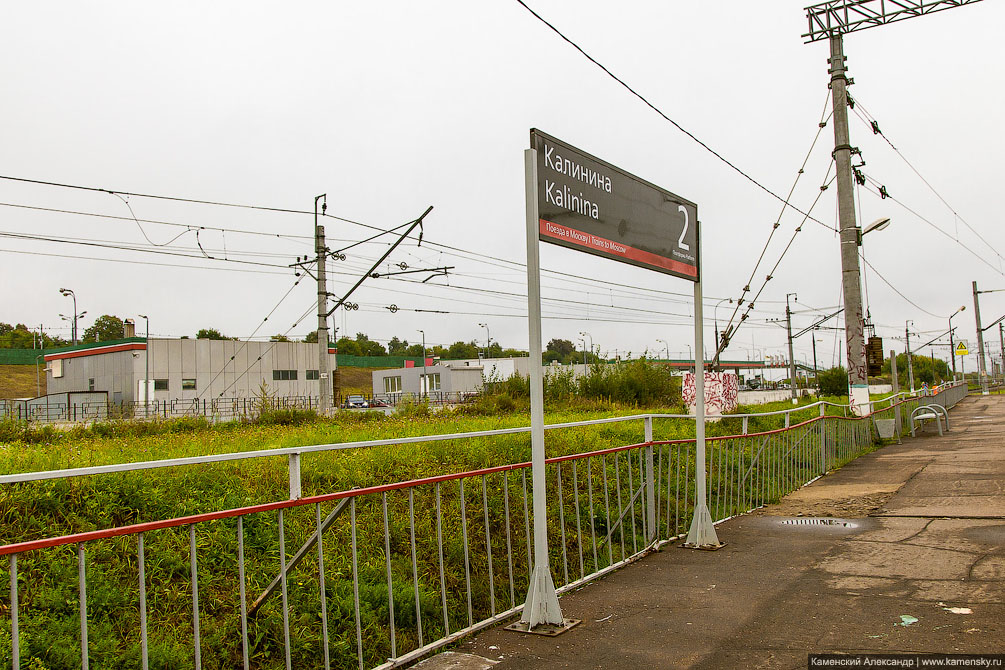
(924, 413)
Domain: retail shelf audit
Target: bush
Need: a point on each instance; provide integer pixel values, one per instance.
(834, 382)
(638, 382)
(286, 417)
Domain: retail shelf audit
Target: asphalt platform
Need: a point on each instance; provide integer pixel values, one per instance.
(924, 546)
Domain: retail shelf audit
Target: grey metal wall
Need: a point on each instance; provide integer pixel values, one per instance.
(219, 367)
(452, 379)
(112, 372)
(231, 368)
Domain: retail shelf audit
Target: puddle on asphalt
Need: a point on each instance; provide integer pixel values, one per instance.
(825, 522)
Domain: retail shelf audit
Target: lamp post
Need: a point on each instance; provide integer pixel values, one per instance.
(38, 379)
(488, 338)
(952, 346)
(585, 334)
(667, 348)
(69, 292)
(65, 292)
(146, 364)
(858, 379)
(583, 341)
(423, 381)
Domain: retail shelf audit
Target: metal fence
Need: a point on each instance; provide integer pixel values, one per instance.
(383, 575)
(215, 409)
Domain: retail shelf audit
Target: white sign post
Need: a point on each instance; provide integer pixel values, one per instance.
(542, 601)
(584, 203)
(701, 535)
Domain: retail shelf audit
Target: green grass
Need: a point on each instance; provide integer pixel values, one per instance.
(47, 578)
(21, 381)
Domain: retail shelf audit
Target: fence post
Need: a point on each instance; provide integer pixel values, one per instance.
(295, 491)
(823, 439)
(896, 391)
(650, 484)
(745, 425)
(787, 419)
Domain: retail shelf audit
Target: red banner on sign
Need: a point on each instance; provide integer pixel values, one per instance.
(589, 241)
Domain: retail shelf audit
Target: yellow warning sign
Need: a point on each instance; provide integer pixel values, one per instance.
(961, 348)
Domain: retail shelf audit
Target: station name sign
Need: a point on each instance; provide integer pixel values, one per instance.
(590, 205)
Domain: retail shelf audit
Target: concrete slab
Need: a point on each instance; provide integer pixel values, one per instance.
(775, 593)
(452, 660)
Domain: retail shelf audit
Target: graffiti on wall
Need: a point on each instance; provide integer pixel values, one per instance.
(721, 390)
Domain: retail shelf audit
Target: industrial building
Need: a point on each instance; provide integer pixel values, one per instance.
(186, 369)
(453, 379)
(440, 381)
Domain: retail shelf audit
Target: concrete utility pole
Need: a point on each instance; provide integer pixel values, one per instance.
(324, 374)
(851, 282)
(828, 21)
(423, 382)
(816, 370)
(910, 363)
(146, 364)
(981, 369)
(792, 358)
(896, 389)
(1001, 337)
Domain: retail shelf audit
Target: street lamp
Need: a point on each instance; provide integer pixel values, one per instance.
(878, 224)
(667, 348)
(69, 292)
(488, 338)
(585, 334)
(146, 364)
(583, 340)
(952, 347)
(73, 325)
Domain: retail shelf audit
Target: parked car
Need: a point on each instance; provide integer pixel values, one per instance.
(356, 402)
(377, 402)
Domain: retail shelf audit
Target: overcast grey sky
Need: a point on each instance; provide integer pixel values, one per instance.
(391, 107)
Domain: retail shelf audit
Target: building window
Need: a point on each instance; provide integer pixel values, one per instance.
(312, 375)
(392, 384)
(160, 385)
(187, 384)
(284, 375)
(90, 384)
(431, 382)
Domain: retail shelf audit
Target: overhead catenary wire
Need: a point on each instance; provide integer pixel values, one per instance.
(867, 118)
(730, 329)
(824, 117)
(898, 292)
(881, 193)
(561, 276)
(254, 332)
(144, 262)
(44, 238)
(457, 251)
(660, 112)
